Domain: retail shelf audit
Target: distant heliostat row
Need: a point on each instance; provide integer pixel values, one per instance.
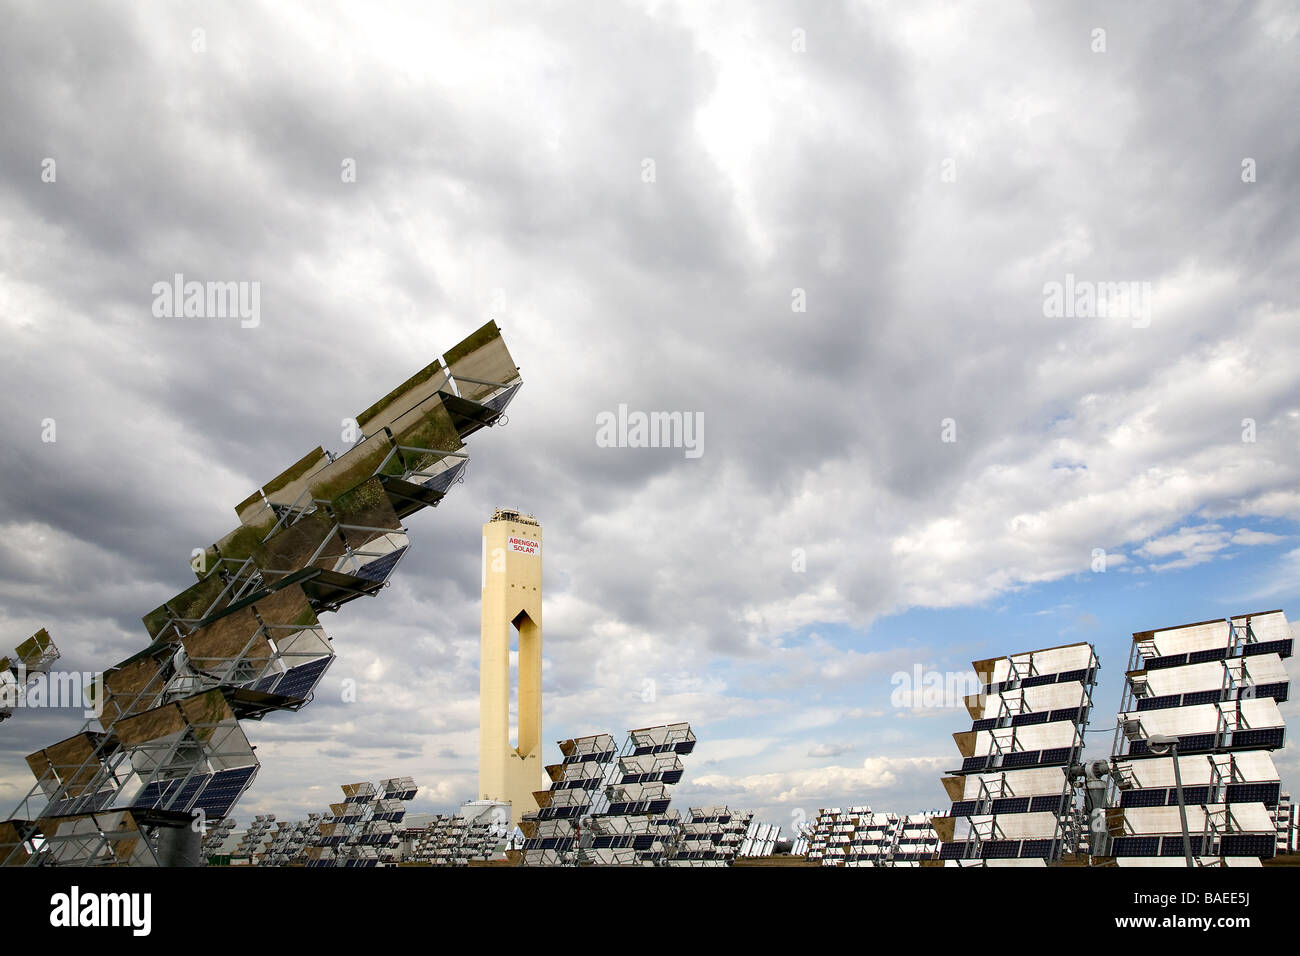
(860, 836)
(245, 640)
(364, 829)
(610, 806)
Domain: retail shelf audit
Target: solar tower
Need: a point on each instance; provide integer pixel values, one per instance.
(246, 640)
(511, 614)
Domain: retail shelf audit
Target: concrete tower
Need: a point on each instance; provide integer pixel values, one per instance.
(512, 605)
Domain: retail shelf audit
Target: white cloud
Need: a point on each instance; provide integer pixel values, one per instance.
(822, 783)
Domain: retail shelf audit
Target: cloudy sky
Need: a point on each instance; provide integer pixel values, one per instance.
(831, 230)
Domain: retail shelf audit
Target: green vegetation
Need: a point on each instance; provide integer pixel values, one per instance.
(206, 709)
(368, 494)
(194, 602)
(242, 543)
(472, 343)
(32, 647)
(290, 548)
(432, 431)
(419, 378)
(156, 620)
(294, 471)
(306, 619)
(361, 464)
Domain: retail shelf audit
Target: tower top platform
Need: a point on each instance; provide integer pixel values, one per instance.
(511, 514)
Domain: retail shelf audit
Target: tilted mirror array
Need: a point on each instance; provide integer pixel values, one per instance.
(1215, 687)
(1013, 797)
(30, 662)
(245, 640)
